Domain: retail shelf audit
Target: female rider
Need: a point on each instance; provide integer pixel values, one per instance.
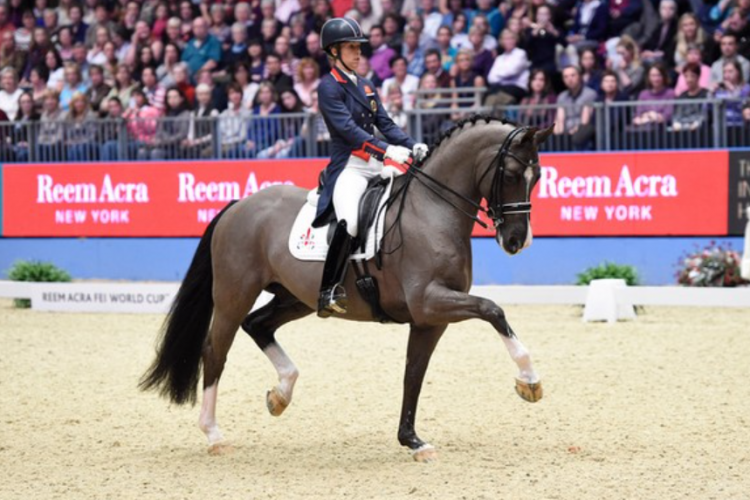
(351, 108)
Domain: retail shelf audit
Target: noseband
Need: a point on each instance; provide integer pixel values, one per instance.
(497, 210)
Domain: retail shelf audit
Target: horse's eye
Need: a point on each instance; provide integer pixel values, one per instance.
(510, 177)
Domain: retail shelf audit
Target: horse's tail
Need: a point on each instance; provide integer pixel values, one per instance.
(175, 371)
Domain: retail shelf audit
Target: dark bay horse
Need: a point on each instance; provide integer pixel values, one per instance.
(424, 281)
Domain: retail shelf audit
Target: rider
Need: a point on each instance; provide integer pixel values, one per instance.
(351, 108)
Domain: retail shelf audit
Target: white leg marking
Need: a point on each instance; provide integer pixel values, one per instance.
(207, 421)
(521, 356)
(288, 373)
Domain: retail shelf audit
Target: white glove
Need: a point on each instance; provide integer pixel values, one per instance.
(399, 154)
(389, 171)
(420, 151)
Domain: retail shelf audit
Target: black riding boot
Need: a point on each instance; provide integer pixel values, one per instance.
(332, 294)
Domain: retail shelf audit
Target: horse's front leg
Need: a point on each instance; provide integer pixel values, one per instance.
(442, 305)
(422, 342)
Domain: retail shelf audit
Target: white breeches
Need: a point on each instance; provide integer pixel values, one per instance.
(350, 186)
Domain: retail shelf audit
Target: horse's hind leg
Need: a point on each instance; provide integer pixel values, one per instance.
(261, 325)
(227, 317)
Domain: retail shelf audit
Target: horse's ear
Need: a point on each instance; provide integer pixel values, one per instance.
(542, 136)
(528, 136)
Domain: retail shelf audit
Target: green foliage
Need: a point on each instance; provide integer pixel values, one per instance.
(609, 270)
(38, 272)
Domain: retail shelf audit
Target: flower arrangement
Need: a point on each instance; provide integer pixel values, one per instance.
(713, 265)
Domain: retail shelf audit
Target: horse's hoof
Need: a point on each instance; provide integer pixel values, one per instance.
(221, 448)
(425, 454)
(528, 391)
(276, 402)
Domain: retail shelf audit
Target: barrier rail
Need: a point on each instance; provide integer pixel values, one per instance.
(692, 124)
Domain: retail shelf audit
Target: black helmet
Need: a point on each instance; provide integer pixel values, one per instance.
(341, 29)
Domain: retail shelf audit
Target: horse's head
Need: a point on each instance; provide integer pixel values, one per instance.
(513, 174)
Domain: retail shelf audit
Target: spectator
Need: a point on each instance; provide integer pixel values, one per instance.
(694, 57)
(734, 90)
(536, 110)
(623, 13)
(541, 39)
(413, 53)
(200, 136)
(306, 15)
(394, 104)
(233, 123)
(218, 25)
(51, 24)
(102, 19)
(434, 66)
(738, 23)
(308, 79)
(465, 77)
(431, 17)
(23, 34)
(690, 116)
(509, 76)
(243, 14)
(264, 131)
(38, 81)
(381, 54)
(98, 91)
(269, 32)
(187, 15)
(241, 76)
(590, 72)
(121, 42)
(62, 7)
(96, 53)
(5, 23)
(50, 137)
(161, 18)
(218, 94)
(171, 129)
(143, 39)
(236, 53)
(182, 83)
(366, 13)
(460, 29)
(275, 75)
(316, 52)
(124, 85)
(203, 51)
(281, 47)
(77, 27)
(630, 72)
(292, 142)
(154, 92)
(40, 45)
(575, 109)
(26, 118)
(110, 136)
(141, 119)
(323, 13)
(691, 34)
(80, 130)
(73, 83)
(660, 47)
(453, 10)
(297, 35)
(65, 43)
(589, 27)
(166, 68)
(515, 9)
(424, 40)
(483, 59)
(10, 55)
(392, 31)
(447, 53)
(408, 83)
(610, 93)
(495, 18)
(145, 60)
(173, 34)
(434, 119)
(54, 67)
(285, 9)
(729, 53)
(657, 89)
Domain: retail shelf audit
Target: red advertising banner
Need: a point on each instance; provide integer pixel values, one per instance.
(594, 194)
(136, 199)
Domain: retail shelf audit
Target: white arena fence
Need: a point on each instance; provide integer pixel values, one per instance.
(608, 300)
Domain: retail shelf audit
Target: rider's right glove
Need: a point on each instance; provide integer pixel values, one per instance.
(398, 154)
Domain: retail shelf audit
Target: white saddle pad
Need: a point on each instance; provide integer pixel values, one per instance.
(310, 243)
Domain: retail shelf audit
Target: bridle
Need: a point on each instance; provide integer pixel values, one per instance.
(496, 210)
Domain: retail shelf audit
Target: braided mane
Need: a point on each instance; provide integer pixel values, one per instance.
(459, 125)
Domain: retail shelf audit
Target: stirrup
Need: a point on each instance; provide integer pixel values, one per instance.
(332, 301)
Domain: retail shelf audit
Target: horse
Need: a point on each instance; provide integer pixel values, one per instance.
(424, 275)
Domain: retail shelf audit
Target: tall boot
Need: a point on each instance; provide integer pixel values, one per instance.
(332, 293)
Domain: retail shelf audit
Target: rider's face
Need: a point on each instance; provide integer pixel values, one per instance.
(350, 53)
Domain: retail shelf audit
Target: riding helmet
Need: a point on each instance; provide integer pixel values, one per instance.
(341, 29)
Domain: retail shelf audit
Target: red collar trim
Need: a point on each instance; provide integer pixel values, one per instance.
(337, 76)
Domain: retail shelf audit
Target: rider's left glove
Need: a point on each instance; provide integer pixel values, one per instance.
(420, 151)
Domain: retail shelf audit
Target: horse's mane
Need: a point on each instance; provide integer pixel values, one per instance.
(459, 125)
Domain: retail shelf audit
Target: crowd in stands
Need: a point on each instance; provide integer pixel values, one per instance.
(176, 74)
